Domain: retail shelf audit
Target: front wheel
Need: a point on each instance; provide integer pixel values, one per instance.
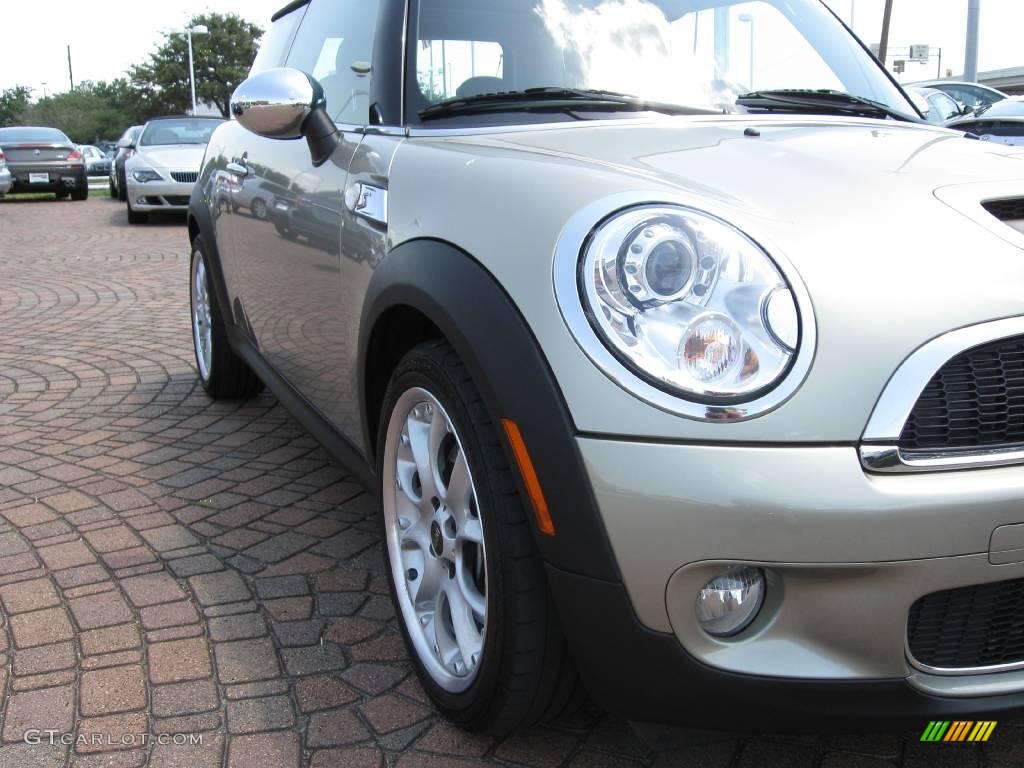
(259, 209)
(223, 374)
(465, 574)
(136, 217)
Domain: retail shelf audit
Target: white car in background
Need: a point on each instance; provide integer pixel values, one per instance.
(160, 174)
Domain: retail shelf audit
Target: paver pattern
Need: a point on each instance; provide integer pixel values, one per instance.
(172, 565)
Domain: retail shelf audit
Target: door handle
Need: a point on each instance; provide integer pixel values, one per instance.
(368, 201)
(237, 169)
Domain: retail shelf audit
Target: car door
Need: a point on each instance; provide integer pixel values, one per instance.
(290, 262)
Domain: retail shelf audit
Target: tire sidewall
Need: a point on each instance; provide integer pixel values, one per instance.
(419, 370)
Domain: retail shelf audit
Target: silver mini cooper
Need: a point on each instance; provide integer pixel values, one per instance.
(686, 359)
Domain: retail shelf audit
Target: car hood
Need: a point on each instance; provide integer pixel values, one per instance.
(180, 157)
(782, 167)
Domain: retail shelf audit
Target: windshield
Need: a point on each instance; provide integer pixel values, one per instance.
(184, 131)
(44, 135)
(695, 53)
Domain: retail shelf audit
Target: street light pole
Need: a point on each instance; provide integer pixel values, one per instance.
(191, 68)
(199, 29)
(746, 18)
(883, 46)
(971, 54)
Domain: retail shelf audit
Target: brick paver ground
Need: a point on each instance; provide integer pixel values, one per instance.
(147, 585)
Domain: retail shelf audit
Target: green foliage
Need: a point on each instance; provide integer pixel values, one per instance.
(158, 86)
(90, 113)
(222, 58)
(13, 103)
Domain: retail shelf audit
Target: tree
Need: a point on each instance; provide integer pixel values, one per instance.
(87, 114)
(13, 103)
(222, 59)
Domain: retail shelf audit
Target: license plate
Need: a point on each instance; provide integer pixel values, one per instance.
(39, 178)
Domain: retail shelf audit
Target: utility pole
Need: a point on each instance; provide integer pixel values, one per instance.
(883, 46)
(71, 74)
(971, 55)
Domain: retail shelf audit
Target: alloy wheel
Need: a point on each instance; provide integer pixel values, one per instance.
(435, 540)
(202, 317)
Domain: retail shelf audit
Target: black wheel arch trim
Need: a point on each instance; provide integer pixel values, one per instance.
(469, 307)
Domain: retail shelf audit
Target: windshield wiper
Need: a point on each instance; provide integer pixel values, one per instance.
(553, 99)
(797, 100)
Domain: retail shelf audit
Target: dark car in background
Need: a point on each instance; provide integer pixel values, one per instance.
(44, 160)
(97, 162)
(125, 149)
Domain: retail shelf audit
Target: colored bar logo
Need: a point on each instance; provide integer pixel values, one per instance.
(959, 730)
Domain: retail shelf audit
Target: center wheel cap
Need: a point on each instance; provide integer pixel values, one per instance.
(436, 542)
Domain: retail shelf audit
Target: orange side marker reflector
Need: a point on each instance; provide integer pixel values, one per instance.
(529, 475)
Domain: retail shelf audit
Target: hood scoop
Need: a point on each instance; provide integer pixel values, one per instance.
(1010, 211)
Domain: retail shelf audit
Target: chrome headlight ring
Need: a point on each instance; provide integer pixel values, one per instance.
(604, 280)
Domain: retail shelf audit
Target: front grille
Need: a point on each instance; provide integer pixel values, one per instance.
(185, 177)
(976, 400)
(176, 199)
(968, 627)
(1006, 210)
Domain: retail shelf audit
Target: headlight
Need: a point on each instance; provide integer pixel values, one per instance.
(145, 174)
(689, 304)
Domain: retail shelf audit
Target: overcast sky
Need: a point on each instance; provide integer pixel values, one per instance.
(107, 36)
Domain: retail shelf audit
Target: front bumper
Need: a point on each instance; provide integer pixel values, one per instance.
(159, 195)
(846, 555)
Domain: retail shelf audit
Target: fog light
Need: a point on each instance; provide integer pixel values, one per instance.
(730, 601)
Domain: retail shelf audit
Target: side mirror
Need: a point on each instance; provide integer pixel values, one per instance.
(285, 103)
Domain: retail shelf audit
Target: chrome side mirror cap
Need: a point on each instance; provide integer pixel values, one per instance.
(285, 103)
(276, 103)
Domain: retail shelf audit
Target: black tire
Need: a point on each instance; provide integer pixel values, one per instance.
(136, 217)
(113, 189)
(525, 673)
(230, 378)
(122, 187)
(80, 193)
(259, 209)
(62, 195)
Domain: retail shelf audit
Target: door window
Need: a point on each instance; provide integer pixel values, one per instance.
(335, 45)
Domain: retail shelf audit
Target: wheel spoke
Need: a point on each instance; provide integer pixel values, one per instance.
(424, 590)
(419, 443)
(459, 490)
(471, 531)
(466, 633)
(474, 599)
